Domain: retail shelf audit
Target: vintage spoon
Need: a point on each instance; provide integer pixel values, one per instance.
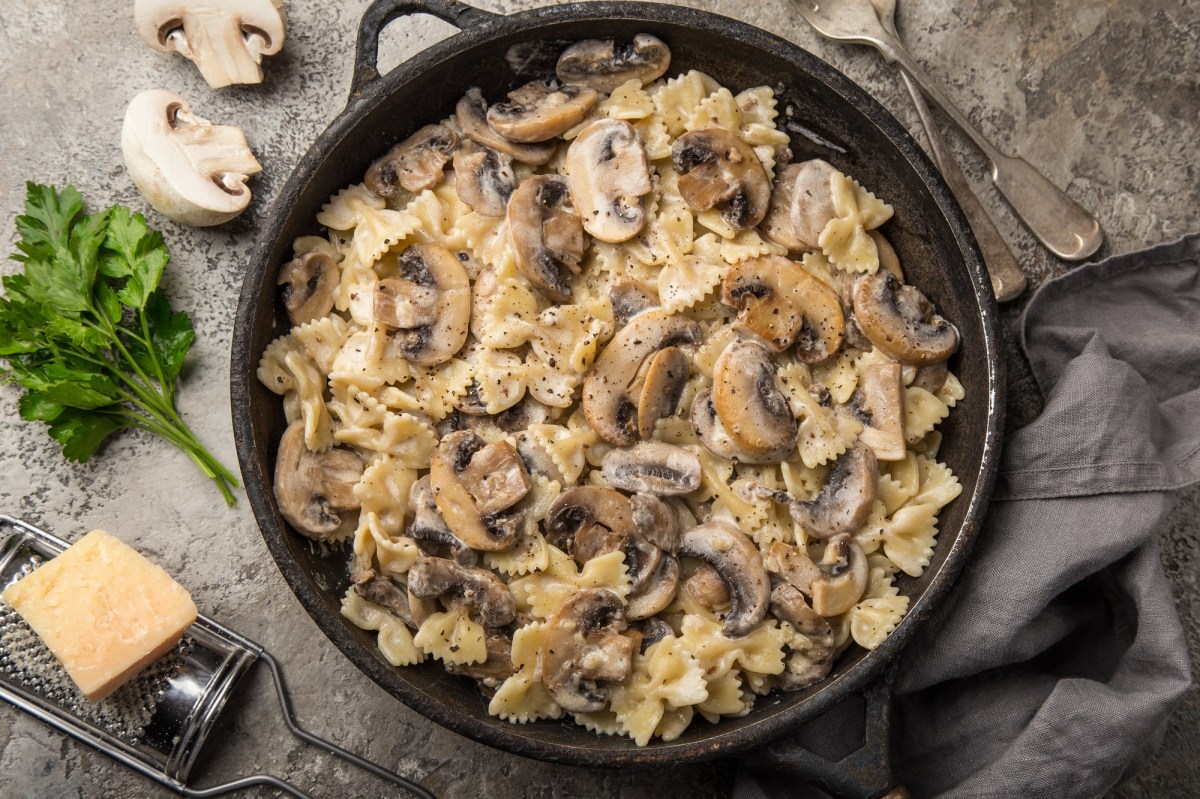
(1008, 281)
(1058, 222)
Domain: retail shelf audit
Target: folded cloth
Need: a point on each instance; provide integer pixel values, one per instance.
(1051, 668)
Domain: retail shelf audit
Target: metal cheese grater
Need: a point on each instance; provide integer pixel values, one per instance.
(157, 723)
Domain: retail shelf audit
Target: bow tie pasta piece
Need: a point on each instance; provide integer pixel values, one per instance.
(844, 240)
(394, 640)
(522, 697)
(542, 594)
(376, 228)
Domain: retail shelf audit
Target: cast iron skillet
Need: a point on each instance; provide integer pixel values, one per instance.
(832, 119)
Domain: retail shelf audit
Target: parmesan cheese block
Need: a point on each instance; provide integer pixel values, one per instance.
(103, 610)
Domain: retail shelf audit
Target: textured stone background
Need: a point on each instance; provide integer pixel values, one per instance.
(1101, 95)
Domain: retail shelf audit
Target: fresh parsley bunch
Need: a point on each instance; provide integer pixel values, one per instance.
(89, 334)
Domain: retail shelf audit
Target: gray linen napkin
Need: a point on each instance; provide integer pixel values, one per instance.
(1051, 668)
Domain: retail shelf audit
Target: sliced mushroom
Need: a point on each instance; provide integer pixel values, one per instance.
(777, 225)
(535, 457)
(386, 592)
(844, 580)
(415, 164)
(312, 487)
(781, 304)
(541, 110)
(656, 592)
(496, 667)
(482, 590)
(430, 267)
(878, 403)
(713, 434)
(931, 377)
(609, 174)
(471, 114)
(901, 321)
(430, 530)
(189, 169)
(588, 506)
(496, 478)
(844, 501)
(606, 401)
(401, 303)
(656, 521)
(484, 178)
(793, 565)
(666, 376)
(812, 201)
(653, 467)
(547, 240)
(707, 587)
(736, 559)
(629, 298)
(310, 285)
(491, 532)
(717, 168)
(653, 630)
(225, 38)
(804, 666)
(584, 649)
(751, 405)
(602, 66)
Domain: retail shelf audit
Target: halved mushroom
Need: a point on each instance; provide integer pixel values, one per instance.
(717, 168)
(471, 114)
(812, 201)
(460, 501)
(415, 164)
(666, 376)
(482, 590)
(582, 507)
(602, 66)
(584, 649)
(653, 467)
(310, 285)
(430, 530)
(777, 225)
(312, 487)
(736, 559)
(428, 268)
(751, 405)
(484, 178)
(541, 110)
(189, 169)
(901, 321)
(547, 240)
(844, 579)
(713, 434)
(609, 174)
(225, 38)
(878, 403)
(844, 501)
(629, 298)
(606, 402)
(386, 592)
(804, 666)
(707, 587)
(655, 592)
(781, 303)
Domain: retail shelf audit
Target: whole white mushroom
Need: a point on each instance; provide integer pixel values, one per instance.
(189, 169)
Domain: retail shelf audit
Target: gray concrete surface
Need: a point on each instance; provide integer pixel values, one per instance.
(1101, 95)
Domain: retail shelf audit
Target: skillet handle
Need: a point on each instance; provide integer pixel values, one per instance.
(382, 12)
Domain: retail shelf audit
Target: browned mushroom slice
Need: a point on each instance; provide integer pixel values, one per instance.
(609, 174)
(583, 507)
(484, 178)
(844, 579)
(603, 66)
(812, 201)
(629, 298)
(653, 467)
(878, 403)
(490, 532)
(429, 267)
(471, 113)
(310, 285)
(751, 405)
(541, 110)
(717, 168)
(606, 402)
(547, 240)
(312, 487)
(736, 559)
(777, 225)
(901, 321)
(712, 433)
(844, 501)
(780, 303)
(665, 379)
(430, 530)
(656, 521)
(415, 164)
(656, 592)
(584, 649)
(483, 591)
(496, 478)
(804, 666)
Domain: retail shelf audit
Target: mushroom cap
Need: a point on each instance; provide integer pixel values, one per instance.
(812, 201)
(541, 110)
(653, 467)
(845, 577)
(415, 164)
(606, 402)
(310, 285)
(584, 649)
(844, 501)
(587, 506)
(656, 591)
(609, 174)
(471, 115)
(490, 533)
(717, 168)
(430, 530)
(779, 302)
(602, 66)
(547, 241)
(737, 560)
(434, 578)
(190, 170)
(629, 298)
(777, 224)
(311, 487)
(901, 321)
(225, 38)
(665, 379)
(878, 402)
(484, 178)
(751, 405)
(432, 266)
(714, 435)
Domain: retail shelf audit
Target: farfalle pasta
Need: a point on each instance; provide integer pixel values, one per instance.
(607, 422)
